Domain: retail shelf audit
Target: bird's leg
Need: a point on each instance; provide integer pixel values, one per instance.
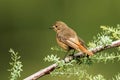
(66, 54)
(73, 52)
(87, 56)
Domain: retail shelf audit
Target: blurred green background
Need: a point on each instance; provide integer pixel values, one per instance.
(24, 27)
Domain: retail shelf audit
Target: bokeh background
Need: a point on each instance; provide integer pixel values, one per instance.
(24, 27)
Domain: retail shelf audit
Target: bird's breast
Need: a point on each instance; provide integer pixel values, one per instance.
(61, 44)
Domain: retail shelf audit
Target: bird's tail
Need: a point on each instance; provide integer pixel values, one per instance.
(84, 49)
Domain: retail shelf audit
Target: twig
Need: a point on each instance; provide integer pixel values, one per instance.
(50, 68)
(42, 72)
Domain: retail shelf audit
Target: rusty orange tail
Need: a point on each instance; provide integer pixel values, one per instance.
(84, 49)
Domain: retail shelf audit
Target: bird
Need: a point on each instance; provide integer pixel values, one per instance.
(68, 39)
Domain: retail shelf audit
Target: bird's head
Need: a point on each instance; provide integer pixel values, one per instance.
(59, 26)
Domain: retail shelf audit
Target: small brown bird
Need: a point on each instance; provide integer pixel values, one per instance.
(68, 39)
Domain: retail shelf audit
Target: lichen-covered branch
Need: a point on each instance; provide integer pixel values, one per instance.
(50, 68)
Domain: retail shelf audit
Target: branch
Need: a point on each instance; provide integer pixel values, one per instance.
(50, 68)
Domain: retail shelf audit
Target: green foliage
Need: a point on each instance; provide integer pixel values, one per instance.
(71, 71)
(79, 71)
(52, 58)
(112, 57)
(102, 39)
(16, 65)
(97, 77)
(117, 77)
(114, 32)
(56, 48)
(72, 68)
(55, 59)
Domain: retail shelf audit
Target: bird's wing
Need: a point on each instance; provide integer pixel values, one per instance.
(73, 42)
(70, 38)
(82, 42)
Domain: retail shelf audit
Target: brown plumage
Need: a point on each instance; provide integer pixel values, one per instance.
(68, 39)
